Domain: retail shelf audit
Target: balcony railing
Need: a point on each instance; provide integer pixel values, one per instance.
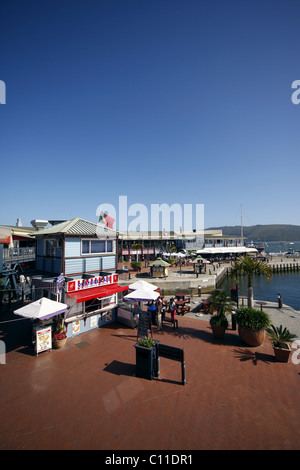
(18, 254)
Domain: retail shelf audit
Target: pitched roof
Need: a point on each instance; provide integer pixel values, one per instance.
(76, 226)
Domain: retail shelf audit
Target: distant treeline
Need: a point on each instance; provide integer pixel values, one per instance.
(264, 233)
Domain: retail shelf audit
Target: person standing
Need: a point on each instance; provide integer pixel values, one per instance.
(173, 310)
(279, 301)
(158, 305)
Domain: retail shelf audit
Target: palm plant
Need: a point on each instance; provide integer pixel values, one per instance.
(221, 303)
(249, 266)
(137, 246)
(280, 336)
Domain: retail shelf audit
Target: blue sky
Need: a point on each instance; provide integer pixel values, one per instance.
(164, 101)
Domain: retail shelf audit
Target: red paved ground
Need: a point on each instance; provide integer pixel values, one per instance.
(88, 397)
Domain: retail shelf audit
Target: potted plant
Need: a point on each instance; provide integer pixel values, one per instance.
(136, 265)
(252, 325)
(219, 325)
(280, 337)
(59, 337)
(221, 303)
(146, 358)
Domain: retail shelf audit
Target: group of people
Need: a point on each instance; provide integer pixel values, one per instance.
(157, 310)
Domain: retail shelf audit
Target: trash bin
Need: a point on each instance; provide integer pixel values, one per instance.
(234, 293)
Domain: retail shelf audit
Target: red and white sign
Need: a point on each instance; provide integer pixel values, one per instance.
(99, 281)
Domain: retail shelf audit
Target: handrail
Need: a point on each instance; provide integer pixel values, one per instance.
(18, 253)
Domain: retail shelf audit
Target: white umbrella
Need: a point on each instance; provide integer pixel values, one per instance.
(142, 285)
(142, 295)
(42, 309)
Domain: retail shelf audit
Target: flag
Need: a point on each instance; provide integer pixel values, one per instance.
(109, 221)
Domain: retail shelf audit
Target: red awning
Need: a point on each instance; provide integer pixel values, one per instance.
(96, 292)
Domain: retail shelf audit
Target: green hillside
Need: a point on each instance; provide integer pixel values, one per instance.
(264, 233)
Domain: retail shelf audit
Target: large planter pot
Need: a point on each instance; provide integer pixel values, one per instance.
(282, 354)
(218, 331)
(59, 343)
(146, 362)
(252, 337)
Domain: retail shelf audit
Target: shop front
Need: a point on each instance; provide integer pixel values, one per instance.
(92, 303)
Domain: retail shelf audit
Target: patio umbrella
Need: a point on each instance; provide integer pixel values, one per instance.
(142, 295)
(142, 285)
(42, 309)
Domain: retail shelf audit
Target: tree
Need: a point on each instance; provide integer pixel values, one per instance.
(249, 266)
(137, 246)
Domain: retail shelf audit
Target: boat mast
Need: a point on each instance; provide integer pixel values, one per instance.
(242, 222)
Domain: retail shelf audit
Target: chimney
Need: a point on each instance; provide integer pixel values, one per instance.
(19, 223)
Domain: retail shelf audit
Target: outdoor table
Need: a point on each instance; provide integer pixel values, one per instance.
(180, 296)
(180, 304)
(261, 303)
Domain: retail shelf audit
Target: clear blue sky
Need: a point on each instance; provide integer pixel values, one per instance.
(165, 101)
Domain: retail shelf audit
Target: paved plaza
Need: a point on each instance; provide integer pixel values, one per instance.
(86, 396)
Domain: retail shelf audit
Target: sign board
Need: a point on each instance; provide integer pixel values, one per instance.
(176, 354)
(98, 281)
(170, 352)
(43, 339)
(144, 324)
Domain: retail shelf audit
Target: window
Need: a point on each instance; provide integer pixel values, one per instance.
(98, 246)
(92, 247)
(85, 246)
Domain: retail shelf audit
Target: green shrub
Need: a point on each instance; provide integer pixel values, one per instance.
(219, 320)
(136, 265)
(248, 317)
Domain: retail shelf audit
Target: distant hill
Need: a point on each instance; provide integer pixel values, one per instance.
(264, 233)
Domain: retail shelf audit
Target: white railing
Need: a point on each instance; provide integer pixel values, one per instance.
(11, 254)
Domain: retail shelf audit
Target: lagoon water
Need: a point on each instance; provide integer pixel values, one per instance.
(287, 284)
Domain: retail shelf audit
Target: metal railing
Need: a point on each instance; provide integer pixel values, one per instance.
(15, 254)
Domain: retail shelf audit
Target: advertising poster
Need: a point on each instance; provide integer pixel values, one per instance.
(93, 321)
(76, 327)
(43, 339)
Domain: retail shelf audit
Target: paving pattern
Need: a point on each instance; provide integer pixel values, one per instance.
(86, 396)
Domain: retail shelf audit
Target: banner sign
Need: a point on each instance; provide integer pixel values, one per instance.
(43, 339)
(99, 281)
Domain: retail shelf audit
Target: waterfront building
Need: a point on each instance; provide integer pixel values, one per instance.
(148, 245)
(76, 264)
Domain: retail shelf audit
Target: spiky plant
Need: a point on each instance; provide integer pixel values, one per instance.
(280, 336)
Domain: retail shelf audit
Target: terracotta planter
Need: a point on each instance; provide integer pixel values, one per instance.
(252, 337)
(218, 331)
(59, 343)
(282, 354)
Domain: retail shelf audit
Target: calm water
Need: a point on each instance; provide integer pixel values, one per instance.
(287, 284)
(281, 247)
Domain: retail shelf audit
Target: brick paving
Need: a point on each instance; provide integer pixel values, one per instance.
(86, 396)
